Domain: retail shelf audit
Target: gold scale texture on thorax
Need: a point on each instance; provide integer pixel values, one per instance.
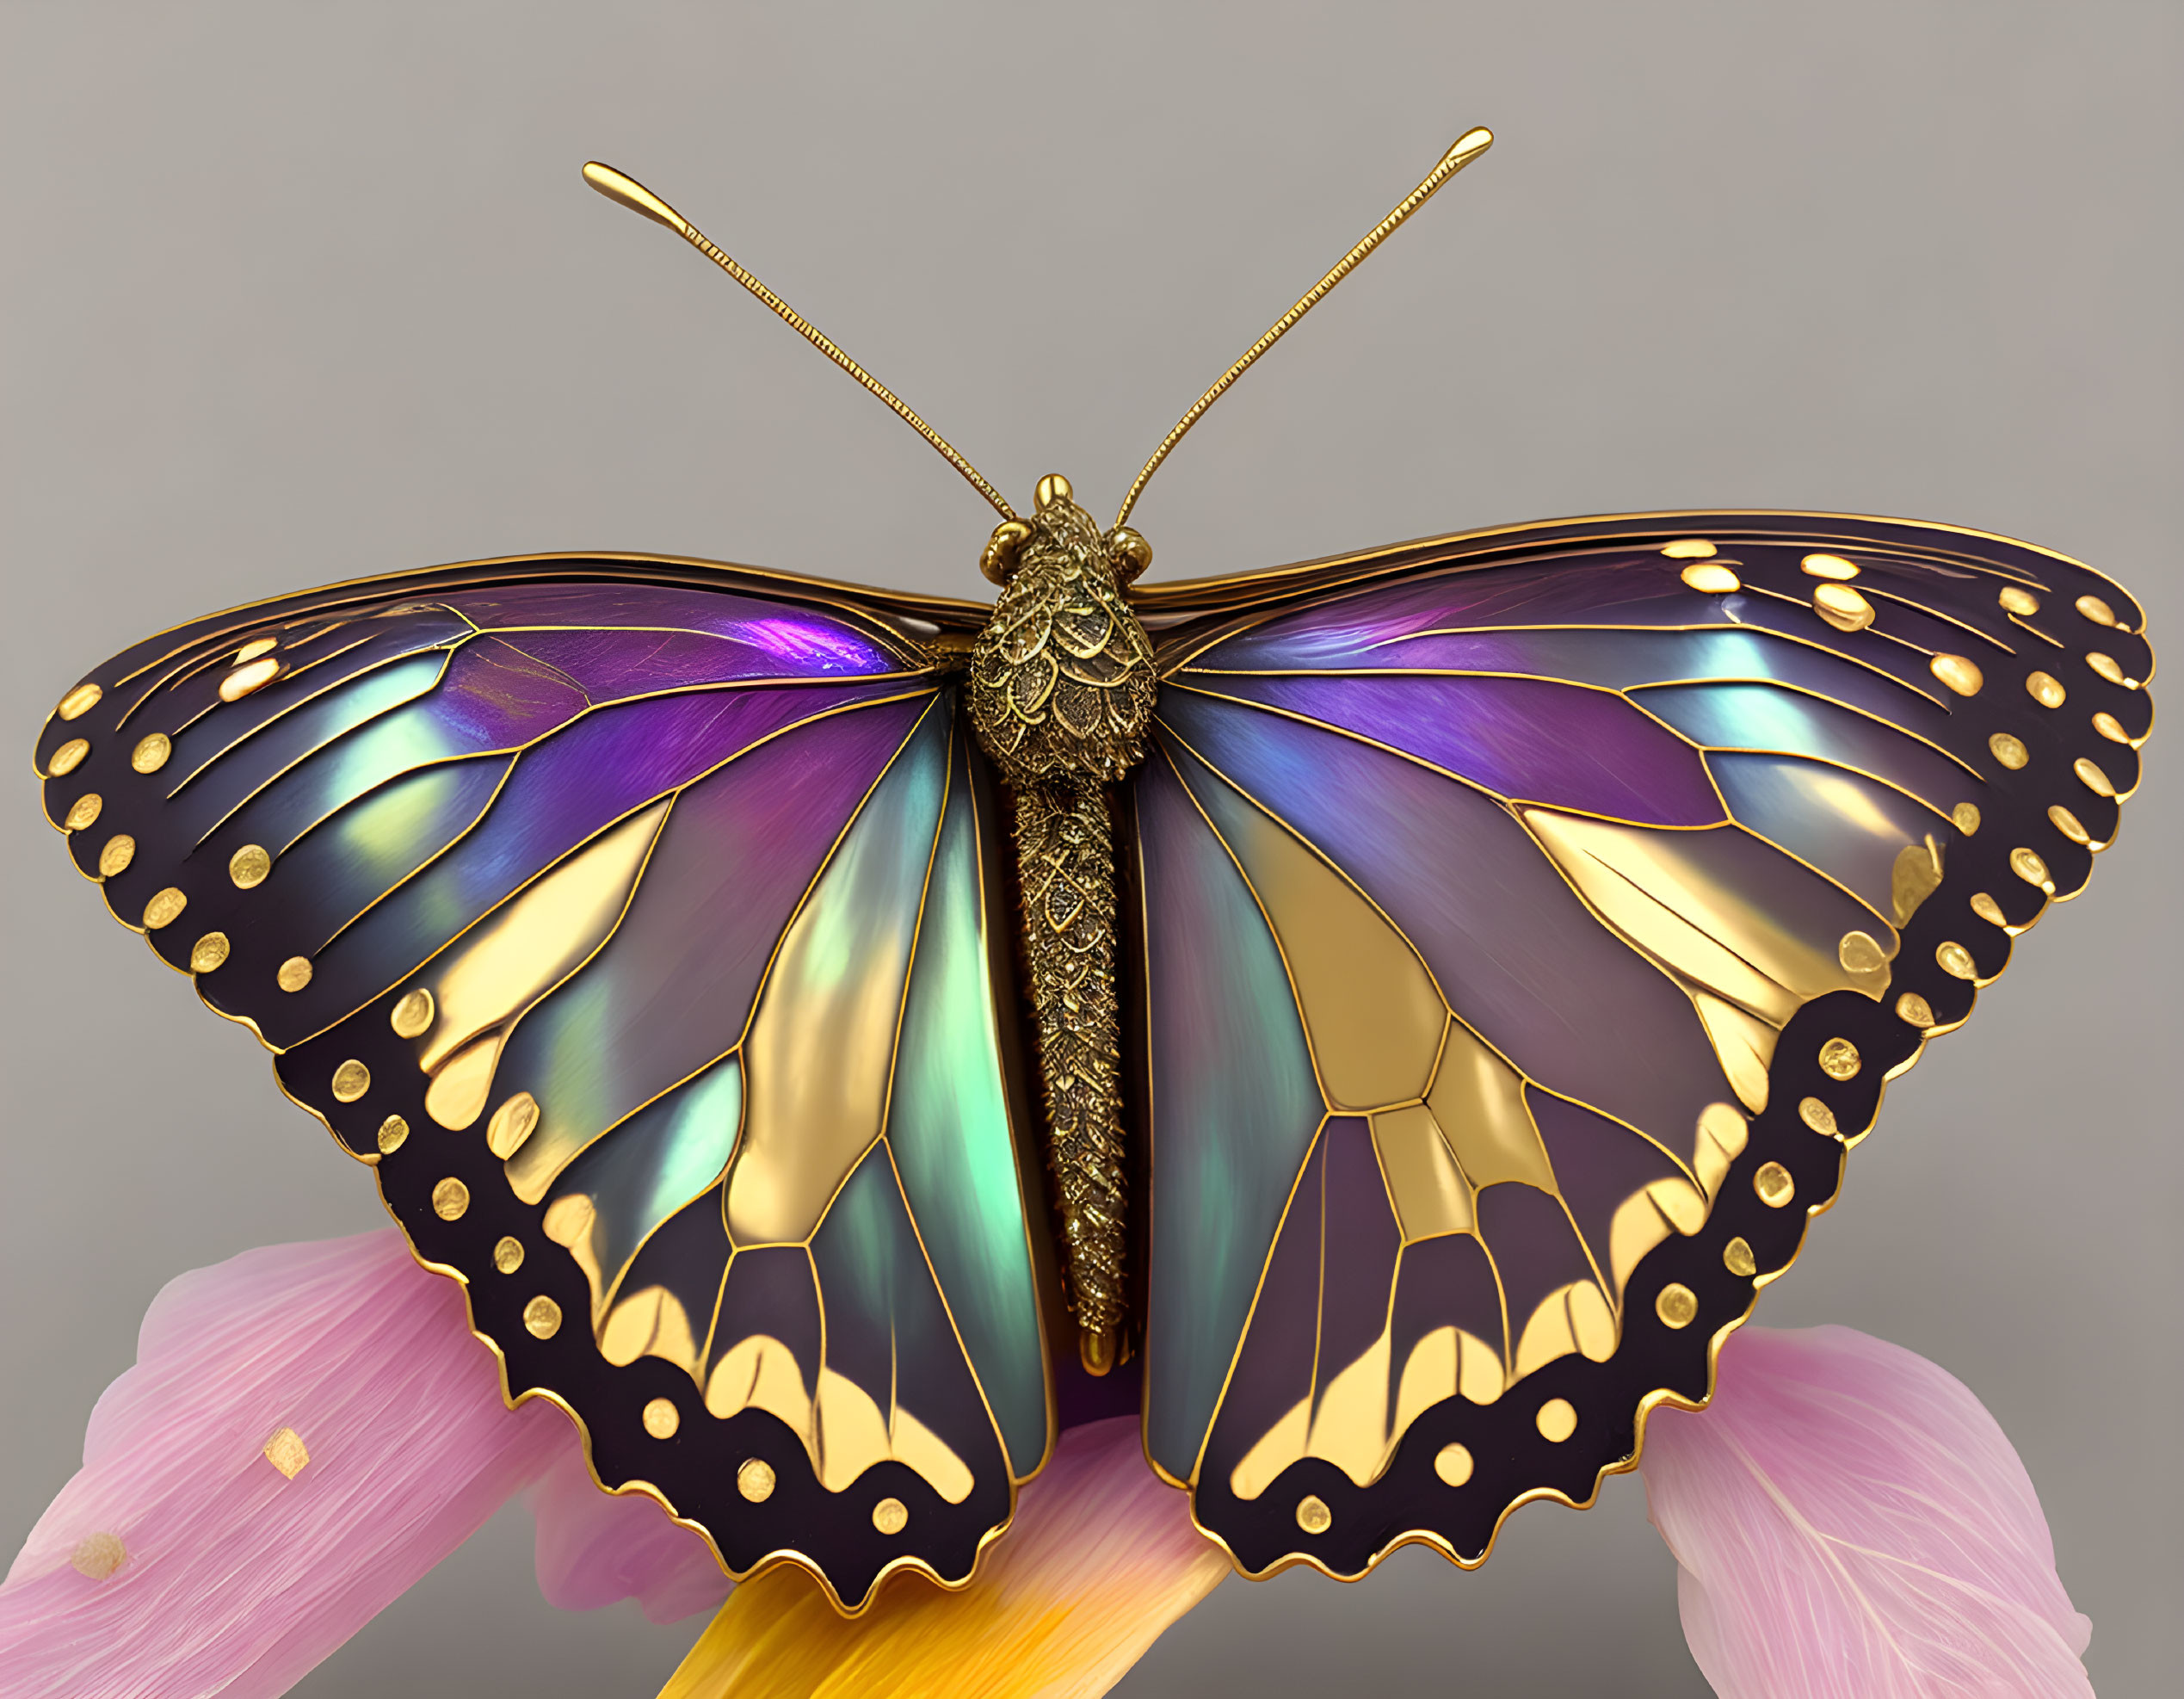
(1061, 691)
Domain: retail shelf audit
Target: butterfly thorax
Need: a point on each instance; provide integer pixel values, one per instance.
(1062, 676)
(1062, 690)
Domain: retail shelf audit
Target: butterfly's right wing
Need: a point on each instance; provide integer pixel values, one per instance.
(641, 921)
(1530, 920)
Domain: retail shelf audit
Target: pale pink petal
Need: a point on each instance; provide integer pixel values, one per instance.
(595, 1547)
(1102, 1558)
(1851, 1525)
(234, 1578)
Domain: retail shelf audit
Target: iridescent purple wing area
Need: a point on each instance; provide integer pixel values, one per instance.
(1529, 921)
(642, 923)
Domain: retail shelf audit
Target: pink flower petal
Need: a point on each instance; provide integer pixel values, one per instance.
(595, 1549)
(182, 1561)
(1850, 1521)
(1102, 1558)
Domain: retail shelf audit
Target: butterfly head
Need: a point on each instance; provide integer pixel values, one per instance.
(1061, 678)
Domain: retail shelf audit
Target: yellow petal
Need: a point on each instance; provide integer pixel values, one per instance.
(1102, 1558)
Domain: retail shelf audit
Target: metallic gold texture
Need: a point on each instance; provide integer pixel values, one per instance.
(208, 953)
(82, 811)
(294, 973)
(1556, 1420)
(1959, 672)
(1677, 1305)
(249, 866)
(97, 1556)
(1688, 549)
(1312, 1513)
(449, 1199)
(1773, 1182)
(890, 1516)
(413, 1014)
(68, 757)
(661, 1419)
(1736, 1257)
(151, 752)
(82, 698)
(508, 1254)
(163, 908)
(394, 1131)
(120, 849)
(754, 1481)
(287, 1453)
(1712, 580)
(351, 1079)
(1452, 1463)
(1061, 688)
(542, 1317)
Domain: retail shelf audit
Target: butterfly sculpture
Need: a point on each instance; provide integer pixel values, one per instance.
(1385, 1017)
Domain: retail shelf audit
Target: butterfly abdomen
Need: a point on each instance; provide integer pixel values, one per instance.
(1062, 690)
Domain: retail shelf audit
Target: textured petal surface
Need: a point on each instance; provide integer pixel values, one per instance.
(1101, 1559)
(185, 1559)
(1849, 1520)
(595, 1549)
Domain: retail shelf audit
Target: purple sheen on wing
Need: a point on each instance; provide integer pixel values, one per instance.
(770, 1290)
(1613, 587)
(1527, 739)
(561, 794)
(1443, 1282)
(1235, 1105)
(1512, 948)
(672, 989)
(1851, 828)
(1535, 1248)
(1620, 660)
(1359, 1242)
(1599, 1165)
(1763, 718)
(610, 664)
(778, 637)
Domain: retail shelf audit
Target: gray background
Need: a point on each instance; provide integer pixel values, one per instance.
(298, 292)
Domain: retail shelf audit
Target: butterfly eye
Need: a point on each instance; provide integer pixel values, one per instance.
(998, 563)
(1131, 552)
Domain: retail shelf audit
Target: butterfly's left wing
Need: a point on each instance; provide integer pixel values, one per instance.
(638, 921)
(1529, 921)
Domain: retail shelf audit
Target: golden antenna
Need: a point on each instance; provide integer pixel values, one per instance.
(1468, 147)
(634, 195)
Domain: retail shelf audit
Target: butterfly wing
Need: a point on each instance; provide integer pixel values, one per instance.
(1530, 921)
(637, 920)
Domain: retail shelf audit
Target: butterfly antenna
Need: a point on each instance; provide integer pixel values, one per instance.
(1468, 147)
(634, 195)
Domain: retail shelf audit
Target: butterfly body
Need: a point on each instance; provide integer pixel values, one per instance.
(1062, 692)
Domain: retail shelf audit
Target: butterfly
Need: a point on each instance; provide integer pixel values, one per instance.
(1383, 1019)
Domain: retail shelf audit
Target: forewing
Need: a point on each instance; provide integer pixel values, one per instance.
(1530, 921)
(638, 922)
